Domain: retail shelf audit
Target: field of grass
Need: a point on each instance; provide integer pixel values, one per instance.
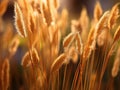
(43, 49)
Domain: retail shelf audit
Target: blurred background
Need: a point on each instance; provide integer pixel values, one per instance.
(73, 6)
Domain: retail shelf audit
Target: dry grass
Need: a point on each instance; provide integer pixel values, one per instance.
(86, 58)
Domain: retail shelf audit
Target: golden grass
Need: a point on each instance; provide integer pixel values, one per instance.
(116, 64)
(58, 63)
(97, 11)
(19, 21)
(55, 59)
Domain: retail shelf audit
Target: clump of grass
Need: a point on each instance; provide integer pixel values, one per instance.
(55, 59)
(83, 76)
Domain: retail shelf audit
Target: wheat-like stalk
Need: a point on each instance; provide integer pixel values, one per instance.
(58, 63)
(113, 16)
(19, 21)
(97, 11)
(116, 64)
(68, 40)
(5, 78)
(3, 7)
(56, 52)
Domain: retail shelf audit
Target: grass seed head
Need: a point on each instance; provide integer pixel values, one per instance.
(26, 62)
(68, 40)
(97, 11)
(102, 37)
(58, 62)
(3, 6)
(19, 21)
(13, 46)
(116, 65)
(114, 14)
(116, 35)
(102, 23)
(5, 74)
(79, 43)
